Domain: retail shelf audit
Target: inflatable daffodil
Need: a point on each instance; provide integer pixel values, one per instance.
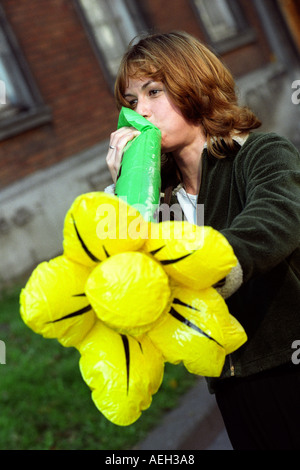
(131, 294)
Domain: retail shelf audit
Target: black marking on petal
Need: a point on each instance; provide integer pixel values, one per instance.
(73, 314)
(183, 304)
(187, 322)
(88, 252)
(157, 250)
(127, 357)
(165, 262)
(79, 295)
(106, 252)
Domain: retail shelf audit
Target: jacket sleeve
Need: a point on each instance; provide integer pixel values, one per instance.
(267, 230)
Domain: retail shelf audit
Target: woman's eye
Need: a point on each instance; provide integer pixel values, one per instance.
(153, 92)
(132, 103)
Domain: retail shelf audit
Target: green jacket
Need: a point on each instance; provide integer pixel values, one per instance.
(253, 198)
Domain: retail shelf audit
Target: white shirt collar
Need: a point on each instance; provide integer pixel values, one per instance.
(236, 137)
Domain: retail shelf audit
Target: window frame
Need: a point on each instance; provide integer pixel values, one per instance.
(138, 19)
(35, 112)
(244, 36)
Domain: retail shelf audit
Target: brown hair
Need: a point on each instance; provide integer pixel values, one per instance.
(197, 81)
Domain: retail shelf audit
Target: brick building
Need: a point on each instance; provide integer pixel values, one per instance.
(58, 59)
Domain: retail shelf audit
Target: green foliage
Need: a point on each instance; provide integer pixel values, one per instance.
(44, 403)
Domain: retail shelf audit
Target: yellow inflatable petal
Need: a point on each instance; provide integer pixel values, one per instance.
(195, 256)
(193, 333)
(233, 332)
(122, 372)
(129, 292)
(99, 225)
(53, 302)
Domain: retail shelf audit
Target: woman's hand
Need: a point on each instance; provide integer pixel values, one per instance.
(118, 141)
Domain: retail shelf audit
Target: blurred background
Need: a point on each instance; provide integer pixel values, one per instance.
(58, 61)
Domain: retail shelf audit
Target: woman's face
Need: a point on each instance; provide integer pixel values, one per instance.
(151, 100)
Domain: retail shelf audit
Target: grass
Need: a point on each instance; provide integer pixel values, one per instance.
(44, 403)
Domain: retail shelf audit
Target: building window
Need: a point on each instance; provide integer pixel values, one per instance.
(14, 93)
(111, 25)
(21, 106)
(224, 23)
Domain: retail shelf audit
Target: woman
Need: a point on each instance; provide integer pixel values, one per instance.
(249, 183)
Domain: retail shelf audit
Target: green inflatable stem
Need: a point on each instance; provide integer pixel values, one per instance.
(139, 180)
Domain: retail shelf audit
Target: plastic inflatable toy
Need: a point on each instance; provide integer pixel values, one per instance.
(138, 181)
(131, 294)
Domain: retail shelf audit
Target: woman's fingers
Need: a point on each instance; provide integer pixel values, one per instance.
(118, 141)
